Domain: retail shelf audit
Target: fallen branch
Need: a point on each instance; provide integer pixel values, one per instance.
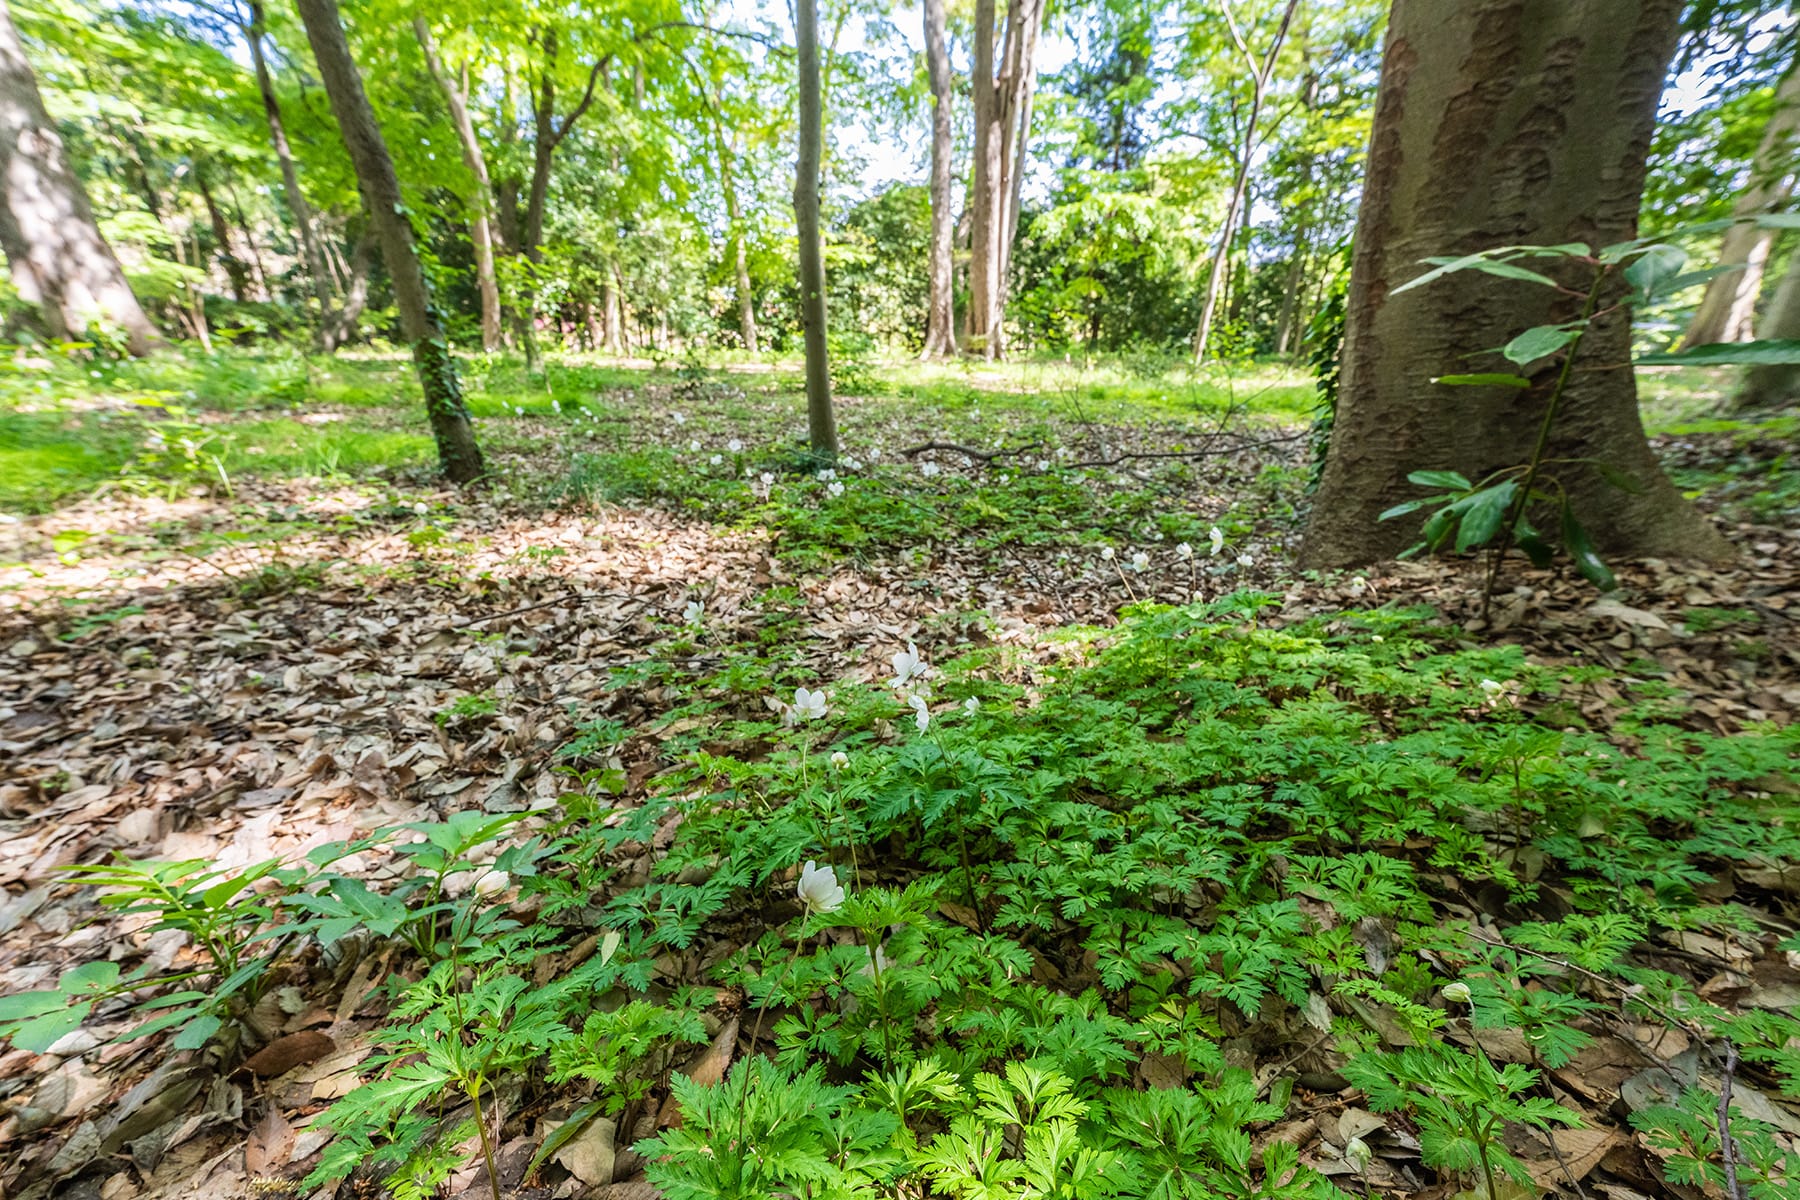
(986, 456)
(1205, 452)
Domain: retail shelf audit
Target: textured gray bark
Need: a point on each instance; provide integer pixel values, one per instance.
(1001, 103)
(1499, 122)
(940, 312)
(450, 426)
(58, 259)
(821, 417)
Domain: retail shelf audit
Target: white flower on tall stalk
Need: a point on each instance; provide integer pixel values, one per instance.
(908, 666)
(694, 612)
(921, 714)
(1184, 551)
(827, 475)
(1357, 1155)
(1244, 560)
(491, 884)
(1140, 561)
(1457, 993)
(734, 445)
(1107, 553)
(971, 705)
(716, 459)
(834, 489)
(839, 759)
(929, 469)
(809, 705)
(1216, 538)
(818, 888)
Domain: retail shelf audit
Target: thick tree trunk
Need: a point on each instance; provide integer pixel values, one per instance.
(821, 419)
(1499, 122)
(940, 310)
(1001, 103)
(457, 451)
(58, 259)
(1240, 186)
(1727, 311)
(1776, 386)
(235, 270)
(481, 198)
(301, 211)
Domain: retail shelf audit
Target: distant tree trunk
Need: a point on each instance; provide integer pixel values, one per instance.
(343, 319)
(235, 270)
(1001, 102)
(481, 199)
(746, 299)
(1295, 283)
(457, 451)
(1240, 186)
(940, 311)
(1776, 386)
(1499, 122)
(58, 259)
(301, 211)
(821, 419)
(1021, 39)
(243, 224)
(1727, 312)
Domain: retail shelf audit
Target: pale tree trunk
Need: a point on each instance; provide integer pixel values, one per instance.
(310, 248)
(450, 425)
(746, 300)
(481, 199)
(1777, 385)
(58, 259)
(940, 311)
(1002, 105)
(1727, 312)
(342, 321)
(1491, 118)
(243, 224)
(1290, 299)
(821, 419)
(235, 270)
(1240, 186)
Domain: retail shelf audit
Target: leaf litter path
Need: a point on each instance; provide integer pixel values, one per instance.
(286, 692)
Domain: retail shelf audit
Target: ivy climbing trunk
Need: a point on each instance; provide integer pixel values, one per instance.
(821, 418)
(1727, 311)
(57, 257)
(481, 195)
(450, 425)
(1498, 122)
(940, 310)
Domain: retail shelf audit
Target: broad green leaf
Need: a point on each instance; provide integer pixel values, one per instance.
(1484, 515)
(1484, 379)
(41, 1033)
(197, 1033)
(1780, 220)
(89, 977)
(1581, 549)
(560, 1136)
(1767, 352)
(1537, 550)
(1400, 510)
(21, 1006)
(1440, 479)
(1654, 268)
(1484, 261)
(1537, 342)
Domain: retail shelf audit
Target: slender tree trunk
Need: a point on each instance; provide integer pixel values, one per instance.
(235, 271)
(615, 316)
(481, 199)
(1240, 186)
(450, 425)
(1025, 20)
(821, 419)
(984, 264)
(343, 319)
(1002, 107)
(1728, 309)
(301, 211)
(940, 310)
(746, 300)
(58, 259)
(1776, 386)
(256, 262)
(1290, 299)
(1491, 119)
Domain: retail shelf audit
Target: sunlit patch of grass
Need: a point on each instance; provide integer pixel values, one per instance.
(281, 446)
(47, 457)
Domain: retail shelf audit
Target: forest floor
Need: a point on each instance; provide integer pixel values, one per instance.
(240, 622)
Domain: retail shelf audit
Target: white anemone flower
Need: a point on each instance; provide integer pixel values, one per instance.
(921, 714)
(734, 445)
(1184, 551)
(694, 446)
(716, 459)
(1107, 553)
(971, 705)
(1244, 560)
(839, 759)
(1216, 538)
(908, 666)
(827, 475)
(678, 418)
(834, 489)
(874, 453)
(929, 469)
(818, 888)
(694, 612)
(491, 884)
(1493, 688)
(809, 705)
(1140, 561)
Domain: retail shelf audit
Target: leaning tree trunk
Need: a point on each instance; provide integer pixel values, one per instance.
(821, 420)
(457, 451)
(940, 312)
(235, 270)
(290, 177)
(1727, 311)
(481, 199)
(1777, 385)
(1499, 122)
(58, 259)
